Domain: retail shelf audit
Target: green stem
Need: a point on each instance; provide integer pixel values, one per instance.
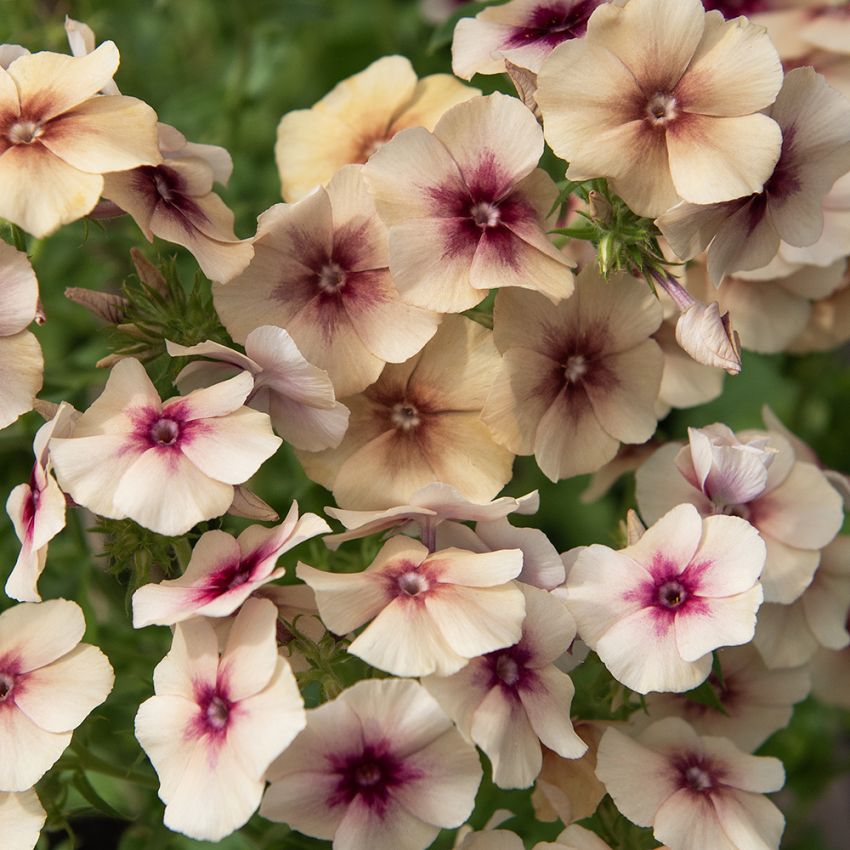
(87, 760)
(19, 239)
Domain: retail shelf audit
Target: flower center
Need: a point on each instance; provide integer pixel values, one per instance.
(218, 712)
(25, 132)
(575, 368)
(698, 779)
(507, 670)
(368, 774)
(661, 109)
(672, 594)
(164, 432)
(485, 214)
(405, 416)
(7, 682)
(412, 584)
(331, 277)
(162, 186)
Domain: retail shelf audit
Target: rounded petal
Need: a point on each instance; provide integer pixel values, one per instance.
(40, 633)
(21, 375)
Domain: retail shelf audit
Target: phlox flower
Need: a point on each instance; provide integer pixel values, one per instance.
(217, 721)
(37, 510)
(320, 272)
(298, 397)
(21, 360)
(356, 118)
(21, 819)
(428, 508)
(418, 424)
(511, 700)
(577, 378)
(792, 504)
(49, 682)
(696, 793)
(175, 201)
(831, 676)
(165, 465)
(829, 323)
(656, 610)
(223, 571)
(788, 635)
(572, 838)
(756, 701)
(381, 766)
(664, 99)
(58, 137)
(523, 32)
(430, 612)
(467, 207)
(745, 234)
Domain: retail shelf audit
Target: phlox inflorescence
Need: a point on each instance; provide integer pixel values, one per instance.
(443, 308)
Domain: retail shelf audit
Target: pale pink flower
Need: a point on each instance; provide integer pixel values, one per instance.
(224, 571)
(664, 100)
(745, 234)
(21, 360)
(430, 612)
(577, 378)
(320, 272)
(356, 118)
(788, 635)
(756, 701)
(420, 423)
(58, 137)
(696, 793)
(796, 513)
(656, 610)
(21, 819)
(829, 323)
(37, 510)
(831, 676)
(467, 208)
(510, 701)
(170, 465)
(175, 201)
(218, 721)
(298, 397)
(380, 767)
(522, 32)
(49, 683)
(433, 504)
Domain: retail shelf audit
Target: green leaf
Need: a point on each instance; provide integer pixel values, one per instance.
(82, 784)
(706, 695)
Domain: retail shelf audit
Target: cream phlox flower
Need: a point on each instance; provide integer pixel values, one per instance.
(745, 234)
(58, 136)
(797, 512)
(165, 465)
(831, 676)
(756, 701)
(49, 682)
(21, 360)
(21, 819)
(380, 767)
(430, 612)
(510, 701)
(320, 272)
(82, 41)
(420, 423)
(298, 397)
(572, 838)
(37, 510)
(224, 571)
(656, 610)
(696, 793)
(523, 32)
(664, 99)
(467, 207)
(218, 721)
(577, 378)
(788, 635)
(433, 504)
(356, 118)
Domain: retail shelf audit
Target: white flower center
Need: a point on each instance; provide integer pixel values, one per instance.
(331, 277)
(25, 132)
(575, 368)
(698, 779)
(217, 713)
(672, 594)
(405, 416)
(412, 583)
(366, 775)
(165, 432)
(661, 109)
(7, 682)
(485, 214)
(507, 670)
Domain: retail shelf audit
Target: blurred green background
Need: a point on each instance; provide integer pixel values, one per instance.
(224, 73)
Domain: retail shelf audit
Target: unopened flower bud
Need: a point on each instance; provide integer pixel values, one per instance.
(106, 305)
(599, 208)
(709, 338)
(148, 273)
(525, 83)
(607, 254)
(251, 506)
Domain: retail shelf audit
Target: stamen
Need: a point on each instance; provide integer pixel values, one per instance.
(331, 277)
(661, 109)
(25, 132)
(485, 214)
(405, 416)
(575, 368)
(672, 594)
(507, 670)
(165, 432)
(218, 712)
(413, 583)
